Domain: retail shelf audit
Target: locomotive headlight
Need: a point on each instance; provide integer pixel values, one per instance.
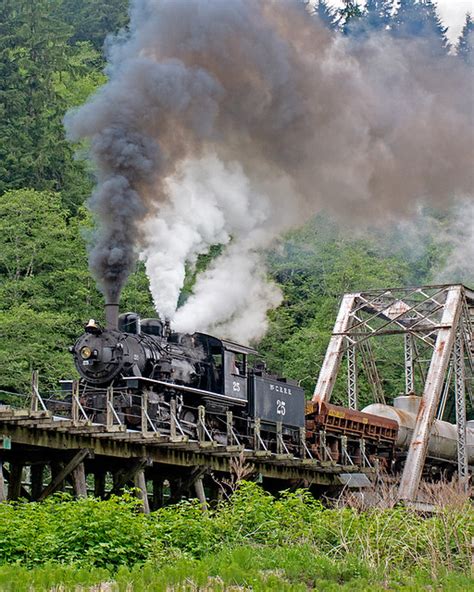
(86, 352)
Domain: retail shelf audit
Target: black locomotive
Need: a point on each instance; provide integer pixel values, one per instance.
(183, 373)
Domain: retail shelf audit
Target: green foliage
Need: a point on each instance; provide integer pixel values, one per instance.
(35, 284)
(85, 76)
(46, 292)
(42, 75)
(260, 569)
(315, 266)
(32, 340)
(33, 234)
(88, 532)
(33, 47)
(253, 539)
(92, 21)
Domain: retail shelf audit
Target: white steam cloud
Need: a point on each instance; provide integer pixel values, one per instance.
(214, 203)
(232, 297)
(211, 203)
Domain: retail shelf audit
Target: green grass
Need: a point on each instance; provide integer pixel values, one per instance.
(251, 542)
(257, 568)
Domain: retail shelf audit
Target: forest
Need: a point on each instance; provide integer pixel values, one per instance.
(52, 59)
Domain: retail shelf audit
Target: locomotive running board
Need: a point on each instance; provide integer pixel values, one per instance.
(132, 382)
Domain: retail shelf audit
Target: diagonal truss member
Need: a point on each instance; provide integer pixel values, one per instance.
(435, 324)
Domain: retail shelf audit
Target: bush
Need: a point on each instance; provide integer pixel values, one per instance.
(87, 531)
(115, 536)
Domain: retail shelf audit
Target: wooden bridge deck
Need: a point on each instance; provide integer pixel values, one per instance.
(84, 453)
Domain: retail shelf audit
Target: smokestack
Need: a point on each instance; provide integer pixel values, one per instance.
(111, 316)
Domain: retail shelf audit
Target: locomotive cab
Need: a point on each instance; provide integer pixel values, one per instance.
(236, 369)
(226, 366)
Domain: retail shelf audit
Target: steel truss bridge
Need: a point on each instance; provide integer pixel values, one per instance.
(431, 330)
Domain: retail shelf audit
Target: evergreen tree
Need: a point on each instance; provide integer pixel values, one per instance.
(325, 14)
(93, 20)
(419, 19)
(375, 19)
(34, 54)
(465, 46)
(349, 16)
(32, 47)
(378, 14)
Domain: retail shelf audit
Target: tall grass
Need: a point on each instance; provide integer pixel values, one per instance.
(252, 541)
(250, 568)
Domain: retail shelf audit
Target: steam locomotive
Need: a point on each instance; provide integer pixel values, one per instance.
(136, 355)
(181, 374)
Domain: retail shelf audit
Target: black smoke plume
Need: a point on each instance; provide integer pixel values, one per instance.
(364, 131)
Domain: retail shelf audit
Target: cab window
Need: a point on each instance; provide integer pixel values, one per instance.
(236, 363)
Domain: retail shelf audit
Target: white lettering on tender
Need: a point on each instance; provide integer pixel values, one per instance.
(284, 390)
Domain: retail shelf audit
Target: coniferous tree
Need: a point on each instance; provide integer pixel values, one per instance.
(349, 15)
(419, 19)
(378, 15)
(326, 14)
(34, 52)
(375, 19)
(32, 47)
(92, 20)
(465, 46)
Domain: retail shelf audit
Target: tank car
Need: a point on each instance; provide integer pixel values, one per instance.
(442, 449)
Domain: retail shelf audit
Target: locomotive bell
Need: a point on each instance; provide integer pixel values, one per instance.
(93, 327)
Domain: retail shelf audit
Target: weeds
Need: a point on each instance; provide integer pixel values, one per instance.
(244, 568)
(251, 541)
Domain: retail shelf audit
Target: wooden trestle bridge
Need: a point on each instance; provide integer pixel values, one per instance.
(42, 453)
(45, 447)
